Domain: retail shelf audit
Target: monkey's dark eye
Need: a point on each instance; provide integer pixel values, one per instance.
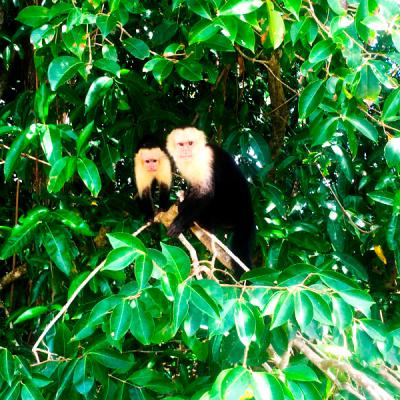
(190, 142)
(180, 144)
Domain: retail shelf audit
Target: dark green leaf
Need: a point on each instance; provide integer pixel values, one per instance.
(137, 48)
(33, 16)
(62, 69)
(89, 174)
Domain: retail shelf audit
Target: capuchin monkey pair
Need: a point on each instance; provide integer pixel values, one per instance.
(217, 196)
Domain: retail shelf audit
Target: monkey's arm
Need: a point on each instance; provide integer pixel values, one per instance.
(191, 207)
(164, 197)
(146, 205)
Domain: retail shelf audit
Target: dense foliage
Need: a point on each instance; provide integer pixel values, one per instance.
(305, 94)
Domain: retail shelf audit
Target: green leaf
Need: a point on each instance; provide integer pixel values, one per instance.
(109, 157)
(30, 392)
(300, 372)
(143, 270)
(346, 166)
(142, 326)
(352, 264)
(363, 126)
(19, 144)
(89, 174)
(33, 16)
(235, 383)
(61, 172)
(202, 301)
(310, 98)
(62, 69)
(137, 48)
(162, 69)
(199, 7)
(23, 233)
(283, 311)
(276, 26)
(303, 310)
(321, 51)
(266, 386)
(75, 40)
(338, 7)
(190, 70)
(123, 239)
(7, 366)
(82, 380)
(120, 320)
(107, 65)
(324, 132)
(50, 140)
(43, 99)
(106, 23)
(359, 299)
(321, 309)
(392, 153)
(120, 258)
(245, 36)
(396, 39)
(342, 313)
(73, 220)
(293, 6)
(97, 91)
(202, 31)
(178, 261)
(101, 309)
(240, 7)
(181, 305)
(392, 106)
(111, 358)
(245, 322)
(84, 137)
(382, 197)
(57, 242)
(368, 88)
(31, 313)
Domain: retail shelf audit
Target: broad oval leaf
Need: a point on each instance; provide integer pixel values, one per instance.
(31, 313)
(245, 322)
(120, 320)
(321, 51)
(392, 153)
(310, 98)
(181, 305)
(266, 386)
(120, 258)
(138, 48)
(143, 270)
(190, 70)
(8, 366)
(240, 7)
(363, 126)
(61, 172)
(82, 380)
(303, 310)
(33, 16)
(89, 174)
(97, 91)
(62, 69)
(284, 310)
(142, 325)
(235, 383)
(391, 107)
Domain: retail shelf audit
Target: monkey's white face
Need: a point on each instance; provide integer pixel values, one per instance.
(150, 159)
(185, 149)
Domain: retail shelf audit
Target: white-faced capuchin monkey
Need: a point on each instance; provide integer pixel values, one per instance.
(152, 167)
(217, 194)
